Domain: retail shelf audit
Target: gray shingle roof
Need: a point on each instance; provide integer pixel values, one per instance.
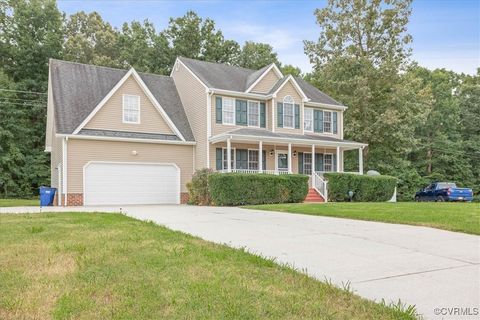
(78, 88)
(127, 134)
(270, 134)
(226, 77)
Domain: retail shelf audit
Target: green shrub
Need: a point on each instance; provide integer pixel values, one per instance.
(365, 188)
(232, 189)
(198, 192)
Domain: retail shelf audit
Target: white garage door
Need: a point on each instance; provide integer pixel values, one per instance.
(131, 183)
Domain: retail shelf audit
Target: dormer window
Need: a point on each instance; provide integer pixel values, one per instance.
(131, 108)
(288, 112)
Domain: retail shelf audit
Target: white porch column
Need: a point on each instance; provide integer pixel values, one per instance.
(360, 160)
(338, 159)
(229, 156)
(260, 157)
(313, 166)
(289, 158)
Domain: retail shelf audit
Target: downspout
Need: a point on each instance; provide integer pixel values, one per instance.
(209, 123)
(64, 168)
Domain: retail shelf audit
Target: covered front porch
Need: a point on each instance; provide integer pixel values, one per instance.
(261, 151)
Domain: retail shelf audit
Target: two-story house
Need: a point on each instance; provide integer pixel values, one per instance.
(124, 137)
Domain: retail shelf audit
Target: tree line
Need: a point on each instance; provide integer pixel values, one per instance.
(420, 125)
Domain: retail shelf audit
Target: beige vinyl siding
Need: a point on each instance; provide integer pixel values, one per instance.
(80, 152)
(289, 89)
(266, 83)
(194, 100)
(339, 121)
(271, 158)
(110, 116)
(218, 128)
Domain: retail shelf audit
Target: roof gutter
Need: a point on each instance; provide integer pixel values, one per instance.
(86, 137)
(326, 105)
(240, 94)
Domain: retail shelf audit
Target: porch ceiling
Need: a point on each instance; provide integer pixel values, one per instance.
(256, 135)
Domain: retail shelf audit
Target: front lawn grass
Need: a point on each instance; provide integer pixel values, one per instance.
(109, 266)
(19, 202)
(463, 217)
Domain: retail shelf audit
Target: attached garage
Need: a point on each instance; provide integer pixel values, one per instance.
(124, 183)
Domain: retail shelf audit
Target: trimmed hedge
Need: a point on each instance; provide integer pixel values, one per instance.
(198, 192)
(365, 188)
(233, 189)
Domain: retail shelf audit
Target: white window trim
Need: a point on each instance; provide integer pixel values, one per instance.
(232, 157)
(332, 164)
(312, 118)
(331, 122)
(311, 164)
(234, 112)
(293, 112)
(248, 113)
(258, 157)
(123, 108)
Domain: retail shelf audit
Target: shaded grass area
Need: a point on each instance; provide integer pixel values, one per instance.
(462, 217)
(19, 202)
(98, 266)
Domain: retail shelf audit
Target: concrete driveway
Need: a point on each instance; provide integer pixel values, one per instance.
(432, 269)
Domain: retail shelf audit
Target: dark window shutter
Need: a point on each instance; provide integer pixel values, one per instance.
(218, 108)
(319, 162)
(334, 118)
(244, 117)
(264, 160)
(316, 121)
(334, 160)
(241, 159)
(300, 162)
(262, 114)
(297, 116)
(280, 115)
(238, 110)
(320, 121)
(219, 162)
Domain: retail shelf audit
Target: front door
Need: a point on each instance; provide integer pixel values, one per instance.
(282, 161)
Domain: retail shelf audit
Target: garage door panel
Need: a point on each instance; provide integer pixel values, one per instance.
(126, 183)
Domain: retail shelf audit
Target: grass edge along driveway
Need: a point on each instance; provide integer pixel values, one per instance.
(97, 266)
(19, 202)
(460, 217)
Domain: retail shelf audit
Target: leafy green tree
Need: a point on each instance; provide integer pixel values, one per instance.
(143, 48)
(290, 69)
(191, 36)
(256, 55)
(91, 40)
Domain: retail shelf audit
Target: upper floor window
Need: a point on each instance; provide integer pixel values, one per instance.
(327, 121)
(228, 111)
(308, 119)
(288, 112)
(253, 113)
(131, 109)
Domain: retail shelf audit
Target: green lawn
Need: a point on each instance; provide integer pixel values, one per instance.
(19, 202)
(109, 266)
(463, 217)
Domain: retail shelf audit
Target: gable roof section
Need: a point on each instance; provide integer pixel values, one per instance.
(79, 88)
(314, 94)
(258, 75)
(279, 85)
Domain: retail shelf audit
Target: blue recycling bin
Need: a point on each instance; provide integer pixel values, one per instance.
(46, 196)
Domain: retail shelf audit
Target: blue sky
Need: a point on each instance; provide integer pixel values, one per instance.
(446, 33)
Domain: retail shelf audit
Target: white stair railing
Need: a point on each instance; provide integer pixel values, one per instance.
(320, 185)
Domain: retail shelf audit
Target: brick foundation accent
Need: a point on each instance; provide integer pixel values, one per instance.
(184, 197)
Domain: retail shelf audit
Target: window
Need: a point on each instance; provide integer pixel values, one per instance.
(225, 157)
(131, 109)
(253, 159)
(327, 121)
(288, 112)
(328, 162)
(253, 113)
(307, 163)
(228, 111)
(308, 119)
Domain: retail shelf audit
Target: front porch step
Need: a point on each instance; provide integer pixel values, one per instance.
(313, 196)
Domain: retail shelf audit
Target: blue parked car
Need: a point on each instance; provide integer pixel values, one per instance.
(444, 191)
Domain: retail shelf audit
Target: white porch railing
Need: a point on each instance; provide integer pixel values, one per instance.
(254, 171)
(320, 184)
